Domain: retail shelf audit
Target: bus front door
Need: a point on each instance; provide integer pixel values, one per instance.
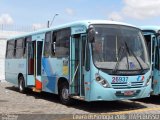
(155, 66)
(34, 53)
(77, 65)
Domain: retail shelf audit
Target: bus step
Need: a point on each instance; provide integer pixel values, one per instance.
(78, 97)
(35, 90)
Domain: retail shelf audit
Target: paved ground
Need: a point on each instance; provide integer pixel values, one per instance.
(13, 102)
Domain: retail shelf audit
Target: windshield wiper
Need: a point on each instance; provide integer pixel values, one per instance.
(120, 51)
(127, 55)
(134, 56)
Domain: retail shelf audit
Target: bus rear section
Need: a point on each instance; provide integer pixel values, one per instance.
(23, 61)
(151, 34)
(15, 62)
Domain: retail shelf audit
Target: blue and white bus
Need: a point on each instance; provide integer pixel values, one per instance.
(152, 36)
(94, 60)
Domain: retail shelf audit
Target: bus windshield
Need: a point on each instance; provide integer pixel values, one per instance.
(118, 47)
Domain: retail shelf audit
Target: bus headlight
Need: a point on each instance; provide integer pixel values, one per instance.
(102, 81)
(148, 81)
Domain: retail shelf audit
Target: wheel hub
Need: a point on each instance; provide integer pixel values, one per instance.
(65, 93)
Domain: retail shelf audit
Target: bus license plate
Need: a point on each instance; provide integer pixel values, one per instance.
(128, 93)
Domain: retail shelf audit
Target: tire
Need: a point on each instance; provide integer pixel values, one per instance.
(64, 94)
(21, 84)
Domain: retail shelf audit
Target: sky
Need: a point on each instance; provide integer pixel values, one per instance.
(38, 12)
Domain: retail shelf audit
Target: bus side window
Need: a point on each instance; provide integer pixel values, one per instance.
(15, 44)
(47, 44)
(60, 43)
(7, 49)
(53, 44)
(10, 49)
(27, 39)
(24, 47)
(19, 48)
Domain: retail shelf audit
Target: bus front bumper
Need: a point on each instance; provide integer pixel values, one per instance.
(111, 94)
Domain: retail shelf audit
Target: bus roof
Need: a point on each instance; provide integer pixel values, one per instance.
(150, 28)
(82, 22)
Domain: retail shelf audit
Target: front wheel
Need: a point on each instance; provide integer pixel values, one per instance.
(21, 84)
(64, 94)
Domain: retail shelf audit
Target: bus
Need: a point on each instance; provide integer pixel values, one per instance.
(89, 60)
(152, 36)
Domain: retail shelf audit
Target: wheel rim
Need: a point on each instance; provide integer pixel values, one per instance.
(65, 94)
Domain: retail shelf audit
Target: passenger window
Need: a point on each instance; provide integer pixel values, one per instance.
(27, 39)
(10, 49)
(19, 48)
(47, 44)
(60, 43)
(53, 44)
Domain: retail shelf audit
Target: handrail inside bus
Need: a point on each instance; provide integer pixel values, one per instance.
(74, 74)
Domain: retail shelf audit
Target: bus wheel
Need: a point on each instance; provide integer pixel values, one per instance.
(64, 94)
(21, 84)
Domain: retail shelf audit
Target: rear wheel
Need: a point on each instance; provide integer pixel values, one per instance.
(64, 94)
(21, 84)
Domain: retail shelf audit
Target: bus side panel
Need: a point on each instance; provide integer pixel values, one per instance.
(52, 70)
(12, 68)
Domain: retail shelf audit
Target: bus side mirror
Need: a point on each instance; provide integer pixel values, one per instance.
(91, 35)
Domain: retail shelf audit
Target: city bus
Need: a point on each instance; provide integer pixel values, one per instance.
(152, 36)
(90, 60)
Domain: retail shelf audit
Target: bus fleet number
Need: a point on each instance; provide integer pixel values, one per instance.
(119, 79)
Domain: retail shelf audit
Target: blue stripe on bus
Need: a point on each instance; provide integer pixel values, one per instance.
(50, 76)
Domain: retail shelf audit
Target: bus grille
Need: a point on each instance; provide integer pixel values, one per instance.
(127, 85)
